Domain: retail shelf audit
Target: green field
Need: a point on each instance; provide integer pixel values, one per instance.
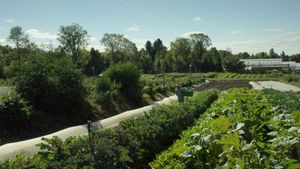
(171, 79)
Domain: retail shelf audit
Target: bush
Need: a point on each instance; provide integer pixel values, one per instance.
(128, 76)
(148, 89)
(132, 144)
(51, 85)
(14, 115)
(103, 90)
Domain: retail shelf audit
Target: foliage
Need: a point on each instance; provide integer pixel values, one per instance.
(287, 101)
(96, 63)
(292, 77)
(51, 85)
(72, 38)
(19, 38)
(103, 90)
(128, 76)
(241, 130)
(131, 145)
(14, 115)
(120, 48)
(232, 64)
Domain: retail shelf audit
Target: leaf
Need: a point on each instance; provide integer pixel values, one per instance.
(186, 154)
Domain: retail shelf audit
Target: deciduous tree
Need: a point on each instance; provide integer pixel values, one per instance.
(72, 38)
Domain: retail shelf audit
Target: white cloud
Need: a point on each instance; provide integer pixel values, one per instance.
(288, 42)
(133, 28)
(140, 42)
(10, 20)
(2, 40)
(236, 32)
(274, 30)
(197, 18)
(187, 34)
(93, 38)
(100, 47)
(37, 34)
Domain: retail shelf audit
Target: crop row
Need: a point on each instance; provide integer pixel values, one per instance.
(243, 129)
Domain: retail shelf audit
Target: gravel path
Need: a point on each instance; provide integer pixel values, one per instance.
(275, 85)
(28, 147)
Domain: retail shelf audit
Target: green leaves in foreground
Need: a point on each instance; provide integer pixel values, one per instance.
(241, 130)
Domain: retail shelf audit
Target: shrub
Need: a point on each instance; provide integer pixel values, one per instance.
(128, 76)
(103, 90)
(132, 144)
(149, 89)
(14, 115)
(51, 85)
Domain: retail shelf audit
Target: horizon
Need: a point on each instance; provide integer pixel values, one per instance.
(248, 26)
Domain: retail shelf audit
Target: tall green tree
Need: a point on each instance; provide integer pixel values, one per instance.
(233, 64)
(199, 43)
(19, 38)
(157, 46)
(72, 38)
(273, 54)
(202, 38)
(181, 50)
(119, 47)
(284, 56)
(150, 50)
(96, 63)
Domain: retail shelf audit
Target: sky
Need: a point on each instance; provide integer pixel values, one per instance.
(238, 25)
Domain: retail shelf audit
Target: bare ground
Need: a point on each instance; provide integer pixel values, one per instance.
(223, 85)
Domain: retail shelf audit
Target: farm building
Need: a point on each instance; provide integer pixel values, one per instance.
(270, 64)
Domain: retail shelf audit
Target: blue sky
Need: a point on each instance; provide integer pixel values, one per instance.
(239, 25)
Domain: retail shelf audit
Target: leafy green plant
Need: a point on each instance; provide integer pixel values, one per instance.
(128, 76)
(51, 85)
(241, 130)
(103, 90)
(14, 115)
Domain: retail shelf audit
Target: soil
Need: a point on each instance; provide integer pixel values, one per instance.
(223, 85)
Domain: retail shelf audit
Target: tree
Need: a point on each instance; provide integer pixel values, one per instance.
(51, 85)
(243, 55)
(261, 55)
(202, 38)
(19, 38)
(199, 43)
(72, 38)
(119, 47)
(157, 46)
(150, 50)
(213, 61)
(181, 50)
(284, 56)
(95, 64)
(272, 54)
(233, 64)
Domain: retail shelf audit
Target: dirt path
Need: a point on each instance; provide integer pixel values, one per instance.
(223, 85)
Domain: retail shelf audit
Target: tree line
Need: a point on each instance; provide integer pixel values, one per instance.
(186, 54)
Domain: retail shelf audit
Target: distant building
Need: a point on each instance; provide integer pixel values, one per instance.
(252, 64)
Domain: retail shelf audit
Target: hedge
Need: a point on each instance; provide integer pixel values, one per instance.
(133, 144)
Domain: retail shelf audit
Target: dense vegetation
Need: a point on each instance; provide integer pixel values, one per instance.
(51, 85)
(132, 144)
(243, 129)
